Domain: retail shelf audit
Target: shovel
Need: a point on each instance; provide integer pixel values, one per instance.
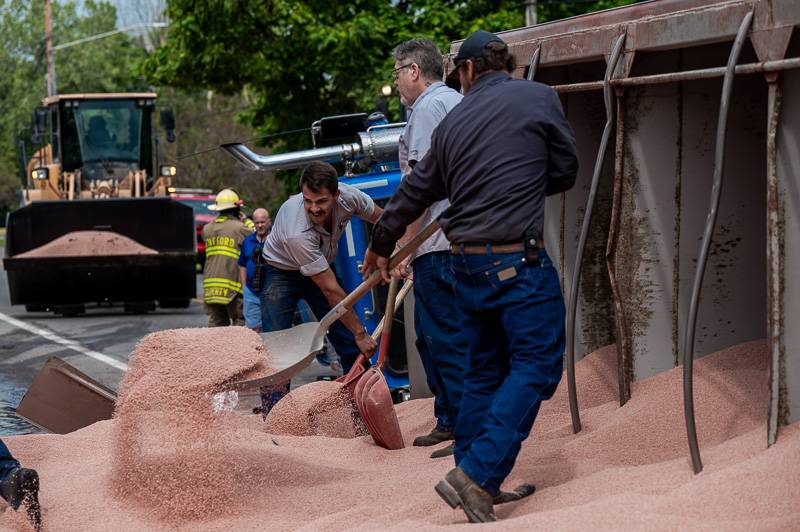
(349, 380)
(62, 399)
(362, 363)
(293, 349)
(373, 400)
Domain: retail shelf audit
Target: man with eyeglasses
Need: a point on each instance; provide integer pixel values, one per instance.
(495, 156)
(418, 76)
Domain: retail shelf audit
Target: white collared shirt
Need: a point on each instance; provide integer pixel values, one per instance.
(296, 243)
(429, 109)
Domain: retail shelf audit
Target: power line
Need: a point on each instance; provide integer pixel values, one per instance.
(259, 137)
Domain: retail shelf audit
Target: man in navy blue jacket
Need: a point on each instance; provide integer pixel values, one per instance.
(495, 156)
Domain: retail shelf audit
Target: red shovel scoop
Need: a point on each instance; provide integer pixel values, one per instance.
(371, 393)
(362, 363)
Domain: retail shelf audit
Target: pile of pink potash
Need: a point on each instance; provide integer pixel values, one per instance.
(89, 243)
(319, 408)
(168, 461)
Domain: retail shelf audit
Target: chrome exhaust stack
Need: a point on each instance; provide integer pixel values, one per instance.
(377, 143)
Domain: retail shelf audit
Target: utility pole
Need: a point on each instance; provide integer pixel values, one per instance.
(48, 49)
(530, 12)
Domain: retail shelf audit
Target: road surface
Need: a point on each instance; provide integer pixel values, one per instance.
(98, 343)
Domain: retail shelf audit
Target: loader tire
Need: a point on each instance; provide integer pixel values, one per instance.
(139, 307)
(68, 310)
(174, 303)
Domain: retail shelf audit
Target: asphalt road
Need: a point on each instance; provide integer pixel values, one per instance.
(98, 343)
(27, 340)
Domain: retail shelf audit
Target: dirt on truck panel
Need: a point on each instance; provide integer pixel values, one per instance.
(91, 243)
(76, 252)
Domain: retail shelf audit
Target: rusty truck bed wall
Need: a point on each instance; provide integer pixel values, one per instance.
(641, 253)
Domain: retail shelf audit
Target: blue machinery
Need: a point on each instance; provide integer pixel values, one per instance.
(379, 185)
(368, 148)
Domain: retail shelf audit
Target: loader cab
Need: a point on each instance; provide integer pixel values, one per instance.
(104, 137)
(85, 146)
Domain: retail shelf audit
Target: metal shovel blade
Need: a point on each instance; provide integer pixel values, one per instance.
(292, 350)
(351, 378)
(373, 400)
(61, 399)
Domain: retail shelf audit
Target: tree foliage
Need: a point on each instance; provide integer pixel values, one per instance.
(296, 61)
(300, 60)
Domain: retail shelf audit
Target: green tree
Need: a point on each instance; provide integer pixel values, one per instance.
(109, 65)
(295, 61)
(205, 120)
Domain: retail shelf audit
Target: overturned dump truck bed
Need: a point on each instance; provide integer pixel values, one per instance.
(681, 236)
(157, 266)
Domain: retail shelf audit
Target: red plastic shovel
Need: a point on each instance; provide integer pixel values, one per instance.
(362, 363)
(373, 400)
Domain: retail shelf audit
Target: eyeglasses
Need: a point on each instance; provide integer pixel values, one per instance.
(396, 71)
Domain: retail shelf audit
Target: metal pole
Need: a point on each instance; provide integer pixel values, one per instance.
(774, 265)
(534, 63)
(708, 233)
(48, 49)
(620, 321)
(574, 288)
(530, 12)
(689, 75)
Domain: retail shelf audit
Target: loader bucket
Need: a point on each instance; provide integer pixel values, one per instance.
(61, 399)
(158, 223)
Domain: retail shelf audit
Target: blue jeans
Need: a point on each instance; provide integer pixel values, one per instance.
(7, 462)
(435, 325)
(256, 315)
(285, 288)
(511, 324)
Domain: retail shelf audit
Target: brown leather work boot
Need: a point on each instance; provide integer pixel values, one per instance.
(520, 492)
(436, 436)
(457, 489)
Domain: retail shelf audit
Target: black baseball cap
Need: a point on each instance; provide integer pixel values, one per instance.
(474, 45)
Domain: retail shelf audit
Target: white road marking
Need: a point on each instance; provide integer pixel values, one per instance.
(35, 352)
(70, 344)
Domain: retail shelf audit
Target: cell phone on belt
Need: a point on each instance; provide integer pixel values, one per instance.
(531, 248)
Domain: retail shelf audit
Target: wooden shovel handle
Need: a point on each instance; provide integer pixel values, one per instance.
(344, 305)
(383, 353)
(401, 295)
(362, 360)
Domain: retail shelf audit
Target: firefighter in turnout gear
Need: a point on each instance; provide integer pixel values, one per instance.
(222, 291)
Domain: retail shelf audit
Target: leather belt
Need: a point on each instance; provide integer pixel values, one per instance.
(486, 249)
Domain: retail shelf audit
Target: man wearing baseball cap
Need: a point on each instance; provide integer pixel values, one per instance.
(495, 156)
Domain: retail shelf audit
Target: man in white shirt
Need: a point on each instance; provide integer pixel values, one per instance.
(301, 248)
(418, 75)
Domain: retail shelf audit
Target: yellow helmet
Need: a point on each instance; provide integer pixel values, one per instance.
(226, 199)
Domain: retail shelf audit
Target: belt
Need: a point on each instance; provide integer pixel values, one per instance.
(486, 249)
